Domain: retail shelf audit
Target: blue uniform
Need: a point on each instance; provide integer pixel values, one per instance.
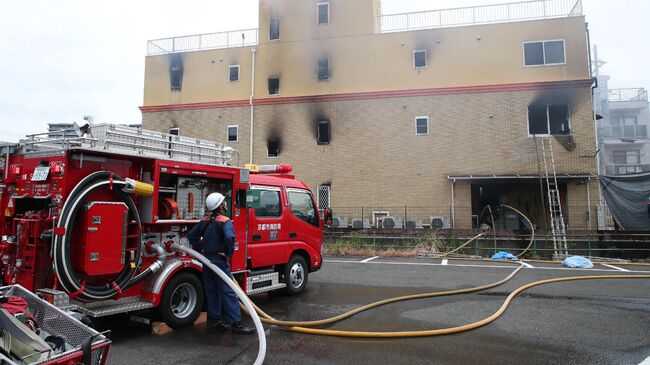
(215, 239)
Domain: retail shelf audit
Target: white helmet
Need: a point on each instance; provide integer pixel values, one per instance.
(213, 201)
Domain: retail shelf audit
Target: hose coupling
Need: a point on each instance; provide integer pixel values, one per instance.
(137, 187)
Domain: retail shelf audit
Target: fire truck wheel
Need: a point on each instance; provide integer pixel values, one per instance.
(182, 300)
(295, 275)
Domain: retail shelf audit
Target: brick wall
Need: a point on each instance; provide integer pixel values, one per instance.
(375, 157)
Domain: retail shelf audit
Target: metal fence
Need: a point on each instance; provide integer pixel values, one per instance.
(629, 94)
(489, 14)
(201, 42)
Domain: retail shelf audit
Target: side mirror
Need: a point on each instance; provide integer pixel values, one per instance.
(328, 216)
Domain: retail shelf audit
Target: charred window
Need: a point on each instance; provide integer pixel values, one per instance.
(273, 148)
(274, 29)
(549, 119)
(323, 13)
(176, 72)
(233, 73)
(324, 132)
(324, 69)
(420, 58)
(544, 53)
(274, 85)
(233, 133)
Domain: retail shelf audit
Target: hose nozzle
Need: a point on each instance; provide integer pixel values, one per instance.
(137, 187)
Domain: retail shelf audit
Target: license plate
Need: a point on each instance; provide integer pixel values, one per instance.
(40, 174)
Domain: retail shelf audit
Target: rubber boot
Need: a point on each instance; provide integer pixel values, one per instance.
(239, 328)
(215, 325)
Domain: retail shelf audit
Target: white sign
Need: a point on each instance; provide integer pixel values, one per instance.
(269, 226)
(40, 174)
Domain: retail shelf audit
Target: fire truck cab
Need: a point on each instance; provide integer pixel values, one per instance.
(88, 221)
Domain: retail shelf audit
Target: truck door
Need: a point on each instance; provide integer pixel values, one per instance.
(304, 223)
(267, 243)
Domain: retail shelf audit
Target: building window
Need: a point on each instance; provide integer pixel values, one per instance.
(233, 133)
(544, 53)
(324, 132)
(627, 157)
(625, 127)
(324, 196)
(274, 29)
(324, 69)
(549, 120)
(176, 72)
(233, 74)
(274, 85)
(420, 58)
(323, 13)
(421, 125)
(272, 148)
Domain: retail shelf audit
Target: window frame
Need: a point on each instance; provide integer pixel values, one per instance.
(270, 25)
(523, 50)
(329, 69)
(329, 195)
(268, 155)
(268, 86)
(416, 125)
(329, 132)
(230, 73)
(318, 5)
(236, 133)
(426, 61)
(548, 122)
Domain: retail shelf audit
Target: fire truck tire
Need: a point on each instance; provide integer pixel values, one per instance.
(295, 275)
(182, 300)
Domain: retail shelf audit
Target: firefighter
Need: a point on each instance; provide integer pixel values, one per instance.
(215, 237)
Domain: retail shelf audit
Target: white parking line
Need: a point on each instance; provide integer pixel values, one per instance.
(646, 361)
(616, 267)
(444, 262)
(369, 259)
(486, 266)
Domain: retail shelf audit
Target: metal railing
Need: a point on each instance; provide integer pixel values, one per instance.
(629, 94)
(623, 131)
(201, 42)
(488, 14)
(624, 169)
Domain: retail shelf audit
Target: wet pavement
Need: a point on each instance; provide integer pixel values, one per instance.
(584, 322)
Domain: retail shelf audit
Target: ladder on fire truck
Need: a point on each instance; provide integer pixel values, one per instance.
(558, 228)
(126, 140)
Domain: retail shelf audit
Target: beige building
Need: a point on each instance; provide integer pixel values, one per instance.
(413, 115)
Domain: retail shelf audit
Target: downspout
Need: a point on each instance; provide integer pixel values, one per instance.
(250, 103)
(453, 209)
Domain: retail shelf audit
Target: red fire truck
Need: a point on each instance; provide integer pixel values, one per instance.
(88, 220)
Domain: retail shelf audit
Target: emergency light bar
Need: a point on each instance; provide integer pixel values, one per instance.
(269, 169)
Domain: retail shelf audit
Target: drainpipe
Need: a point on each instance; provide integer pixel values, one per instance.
(453, 209)
(250, 102)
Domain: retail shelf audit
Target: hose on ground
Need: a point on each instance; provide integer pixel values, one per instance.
(242, 297)
(532, 230)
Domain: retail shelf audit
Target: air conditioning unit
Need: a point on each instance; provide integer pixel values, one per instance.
(414, 224)
(391, 222)
(360, 223)
(438, 222)
(339, 222)
(511, 221)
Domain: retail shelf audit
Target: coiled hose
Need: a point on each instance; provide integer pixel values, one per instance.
(62, 243)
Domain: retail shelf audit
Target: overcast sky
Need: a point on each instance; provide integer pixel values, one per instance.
(61, 60)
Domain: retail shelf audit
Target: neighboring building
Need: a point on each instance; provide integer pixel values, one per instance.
(623, 130)
(412, 115)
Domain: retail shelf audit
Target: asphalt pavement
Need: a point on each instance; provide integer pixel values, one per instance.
(581, 322)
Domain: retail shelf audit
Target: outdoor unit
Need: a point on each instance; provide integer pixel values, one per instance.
(438, 222)
(414, 224)
(360, 223)
(391, 222)
(339, 222)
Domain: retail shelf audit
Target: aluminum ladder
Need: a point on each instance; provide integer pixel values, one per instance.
(558, 228)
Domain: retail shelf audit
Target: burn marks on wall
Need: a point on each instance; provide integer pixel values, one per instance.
(549, 113)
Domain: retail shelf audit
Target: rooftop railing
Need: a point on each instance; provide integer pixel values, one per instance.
(629, 94)
(202, 42)
(488, 14)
